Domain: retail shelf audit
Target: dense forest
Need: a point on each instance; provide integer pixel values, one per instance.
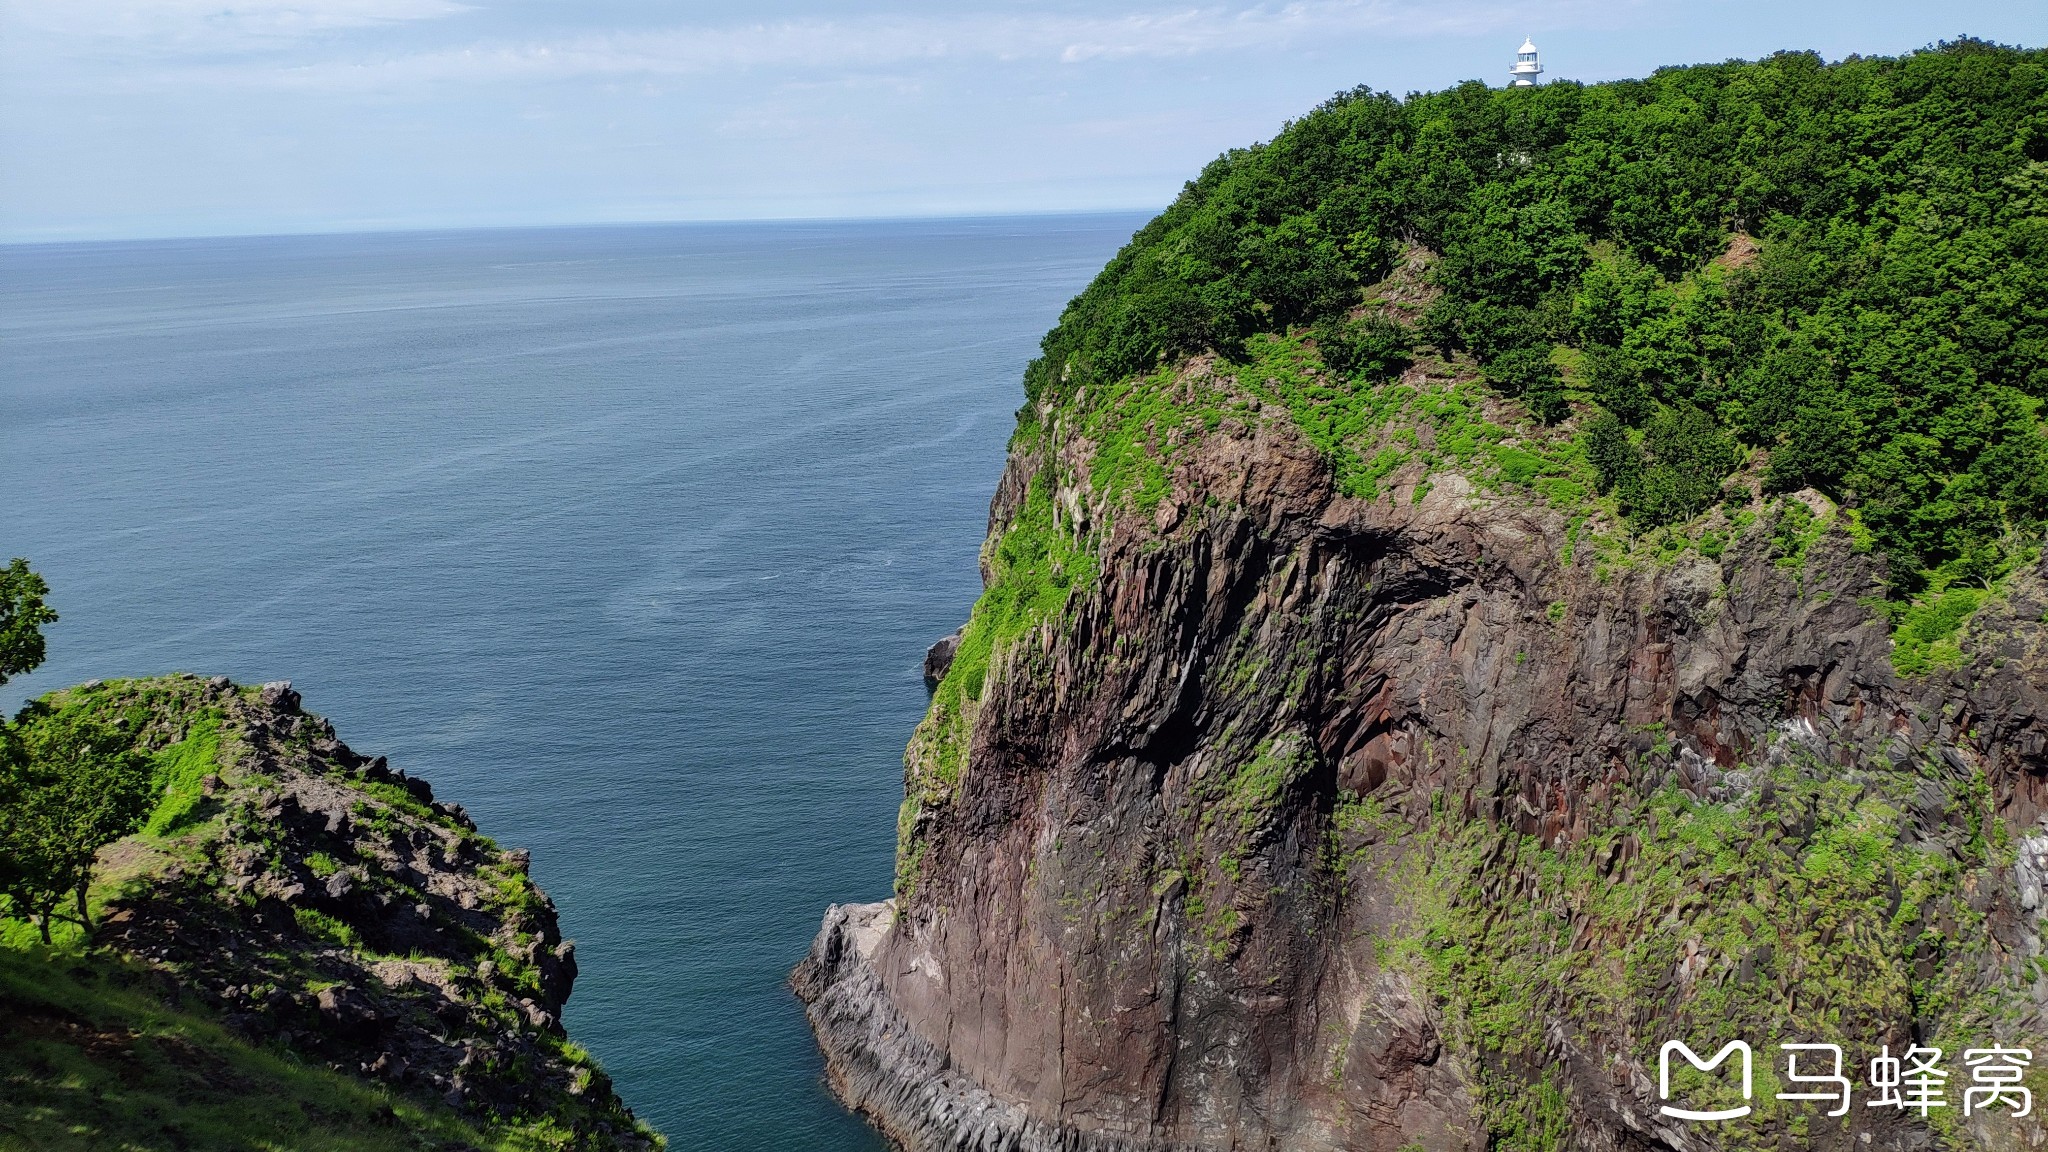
(1840, 267)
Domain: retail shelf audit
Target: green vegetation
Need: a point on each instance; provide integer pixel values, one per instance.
(74, 785)
(1669, 472)
(22, 616)
(1138, 424)
(1812, 905)
(179, 773)
(1374, 347)
(70, 782)
(97, 1055)
(1036, 564)
(1836, 272)
(1237, 810)
(1369, 429)
(320, 926)
(1924, 640)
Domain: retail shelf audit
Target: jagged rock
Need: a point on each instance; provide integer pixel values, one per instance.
(347, 1011)
(286, 892)
(938, 659)
(420, 789)
(278, 695)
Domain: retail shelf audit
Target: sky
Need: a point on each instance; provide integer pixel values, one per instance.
(145, 118)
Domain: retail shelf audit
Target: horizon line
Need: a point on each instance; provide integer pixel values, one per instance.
(422, 229)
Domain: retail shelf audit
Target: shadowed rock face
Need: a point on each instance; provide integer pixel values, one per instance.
(1243, 833)
(938, 659)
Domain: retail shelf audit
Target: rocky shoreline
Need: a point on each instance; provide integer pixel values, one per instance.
(879, 1066)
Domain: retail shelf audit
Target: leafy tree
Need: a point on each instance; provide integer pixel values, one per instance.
(1442, 325)
(1616, 381)
(74, 785)
(1674, 475)
(1617, 462)
(1818, 449)
(68, 783)
(1686, 456)
(22, 616)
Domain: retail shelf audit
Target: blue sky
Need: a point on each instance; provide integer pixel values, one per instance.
(188, 117)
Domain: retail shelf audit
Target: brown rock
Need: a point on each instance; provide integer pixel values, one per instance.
(1098, 951)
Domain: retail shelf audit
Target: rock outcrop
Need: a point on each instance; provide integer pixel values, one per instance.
(939, 657)
(1415, 821)
(316, 899)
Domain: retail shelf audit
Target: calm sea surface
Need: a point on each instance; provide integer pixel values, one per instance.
(629, 539)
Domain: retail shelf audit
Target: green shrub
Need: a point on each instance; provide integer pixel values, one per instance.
(1529, 374)
(1373, 349)
(1925, 637)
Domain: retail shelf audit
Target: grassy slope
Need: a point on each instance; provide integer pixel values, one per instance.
(95, 1058)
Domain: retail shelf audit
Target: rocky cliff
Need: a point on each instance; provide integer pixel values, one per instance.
(1420, 814)
(295, 909)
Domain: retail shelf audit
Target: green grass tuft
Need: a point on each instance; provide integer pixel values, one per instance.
(179, 770)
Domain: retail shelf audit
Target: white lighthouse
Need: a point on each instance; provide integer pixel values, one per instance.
(1527, 68)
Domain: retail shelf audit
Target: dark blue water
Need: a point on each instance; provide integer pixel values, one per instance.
(629, 539)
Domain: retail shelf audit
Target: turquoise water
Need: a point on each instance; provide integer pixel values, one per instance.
(629, 539)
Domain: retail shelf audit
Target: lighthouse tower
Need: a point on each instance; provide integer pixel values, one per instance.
(1527, 68)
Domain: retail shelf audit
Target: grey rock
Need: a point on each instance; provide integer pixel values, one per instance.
(938, 659)
(278, 694)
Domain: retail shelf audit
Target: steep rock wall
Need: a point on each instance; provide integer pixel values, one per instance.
(1248, 834)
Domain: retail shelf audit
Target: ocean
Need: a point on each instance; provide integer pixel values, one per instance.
(629, 539)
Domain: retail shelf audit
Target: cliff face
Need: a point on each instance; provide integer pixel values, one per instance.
(312, 901)
(1416, 819)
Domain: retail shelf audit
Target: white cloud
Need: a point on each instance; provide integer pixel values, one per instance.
(180, 27)
(884, 40)
(880, 40)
